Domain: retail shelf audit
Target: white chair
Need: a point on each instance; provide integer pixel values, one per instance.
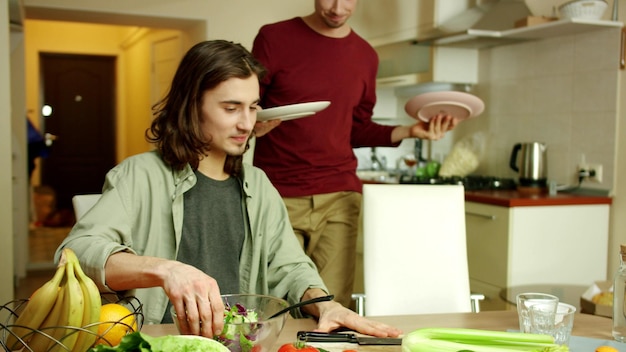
(414, 251)
(83, 202)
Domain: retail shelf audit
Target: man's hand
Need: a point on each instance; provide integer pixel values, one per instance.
(262, 128)
(332, 315)
(434, 130)
(196, 298)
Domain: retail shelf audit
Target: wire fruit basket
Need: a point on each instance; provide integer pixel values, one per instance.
(11, 310)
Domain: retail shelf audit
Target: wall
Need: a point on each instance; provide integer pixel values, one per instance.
(236, 20)
(561, 91)
(6, 211)
(566, 92)
(19, 152)
(617, 224)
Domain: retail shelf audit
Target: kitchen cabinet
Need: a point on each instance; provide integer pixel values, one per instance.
(391, 27)
(406, 63)
(382, 22)
(549, 244)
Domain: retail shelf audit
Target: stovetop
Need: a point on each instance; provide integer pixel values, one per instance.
(471, 182)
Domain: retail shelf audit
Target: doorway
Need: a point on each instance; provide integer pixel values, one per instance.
(80, 93)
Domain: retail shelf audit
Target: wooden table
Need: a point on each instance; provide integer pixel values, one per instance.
(584, 325)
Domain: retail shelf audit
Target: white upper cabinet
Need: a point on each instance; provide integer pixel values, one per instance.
(405, 63)
(387, 21)
(392, 26)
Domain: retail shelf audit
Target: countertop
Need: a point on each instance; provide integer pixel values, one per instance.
(513, 198)
(516, 198)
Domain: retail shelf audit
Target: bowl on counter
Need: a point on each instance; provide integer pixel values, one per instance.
(583, 9)
(247, 325)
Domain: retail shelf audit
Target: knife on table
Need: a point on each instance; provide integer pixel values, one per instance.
(313, 336)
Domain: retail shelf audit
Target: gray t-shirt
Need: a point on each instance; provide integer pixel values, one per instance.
(213, 231)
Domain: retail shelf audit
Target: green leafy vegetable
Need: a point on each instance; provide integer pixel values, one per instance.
(240, 328)
(138, 342)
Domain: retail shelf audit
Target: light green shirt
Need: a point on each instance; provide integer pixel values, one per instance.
(141, 211)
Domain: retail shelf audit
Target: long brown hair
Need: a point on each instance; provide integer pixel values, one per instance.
(175, 129)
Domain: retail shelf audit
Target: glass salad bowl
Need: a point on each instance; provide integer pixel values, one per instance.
(247, 326)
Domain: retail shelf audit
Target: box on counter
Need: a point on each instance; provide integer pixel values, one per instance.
(533, 20)
(587, 304)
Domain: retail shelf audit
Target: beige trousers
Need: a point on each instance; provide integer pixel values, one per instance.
(327, 227)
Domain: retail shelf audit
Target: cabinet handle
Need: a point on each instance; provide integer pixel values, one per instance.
(383, 81)
(484, 216)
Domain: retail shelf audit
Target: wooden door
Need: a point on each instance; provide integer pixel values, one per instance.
(80, 89)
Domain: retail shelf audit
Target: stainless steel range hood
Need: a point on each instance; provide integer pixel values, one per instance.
(480, 23)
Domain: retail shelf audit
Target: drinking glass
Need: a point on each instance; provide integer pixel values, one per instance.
(529, 299)
(556, 323)
(410, 161)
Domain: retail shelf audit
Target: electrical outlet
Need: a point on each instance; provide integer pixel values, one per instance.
(595, 173)
(591, 172)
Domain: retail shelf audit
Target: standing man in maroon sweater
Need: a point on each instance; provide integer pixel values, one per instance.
(310, 160)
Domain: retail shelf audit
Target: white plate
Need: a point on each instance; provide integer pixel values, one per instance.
(293, 111)
(456, 109)
(458, 104)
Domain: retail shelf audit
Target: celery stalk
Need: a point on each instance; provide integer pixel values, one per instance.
(474, 340)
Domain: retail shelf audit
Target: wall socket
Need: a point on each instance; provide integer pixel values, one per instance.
(591, 172)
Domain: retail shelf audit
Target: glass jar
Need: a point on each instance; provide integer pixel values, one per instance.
(619, 295)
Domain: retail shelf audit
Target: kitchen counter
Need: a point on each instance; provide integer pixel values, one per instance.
(512, 198)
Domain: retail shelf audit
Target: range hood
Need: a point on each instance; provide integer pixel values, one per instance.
(478, 23)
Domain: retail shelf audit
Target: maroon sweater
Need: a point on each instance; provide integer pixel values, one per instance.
(313, 155)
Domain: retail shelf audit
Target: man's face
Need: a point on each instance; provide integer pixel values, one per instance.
(229, 113)
(335, 13)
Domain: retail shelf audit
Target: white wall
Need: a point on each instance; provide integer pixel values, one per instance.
(6, 211)
(235, 20)
(566, 92)
(561, 91)
(19, 151)
(617, 225)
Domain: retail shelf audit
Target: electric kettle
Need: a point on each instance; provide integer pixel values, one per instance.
(530, 161)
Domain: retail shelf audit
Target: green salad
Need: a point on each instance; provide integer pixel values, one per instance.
(240, 328)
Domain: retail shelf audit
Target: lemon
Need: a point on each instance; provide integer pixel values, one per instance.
(115, 321)
(606, 349)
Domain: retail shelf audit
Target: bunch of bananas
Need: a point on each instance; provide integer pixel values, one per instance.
(61, 315)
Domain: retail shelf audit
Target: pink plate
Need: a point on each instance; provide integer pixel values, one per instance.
(458, 104)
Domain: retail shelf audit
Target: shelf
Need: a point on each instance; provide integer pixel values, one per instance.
(404, 80)
(475, 38)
